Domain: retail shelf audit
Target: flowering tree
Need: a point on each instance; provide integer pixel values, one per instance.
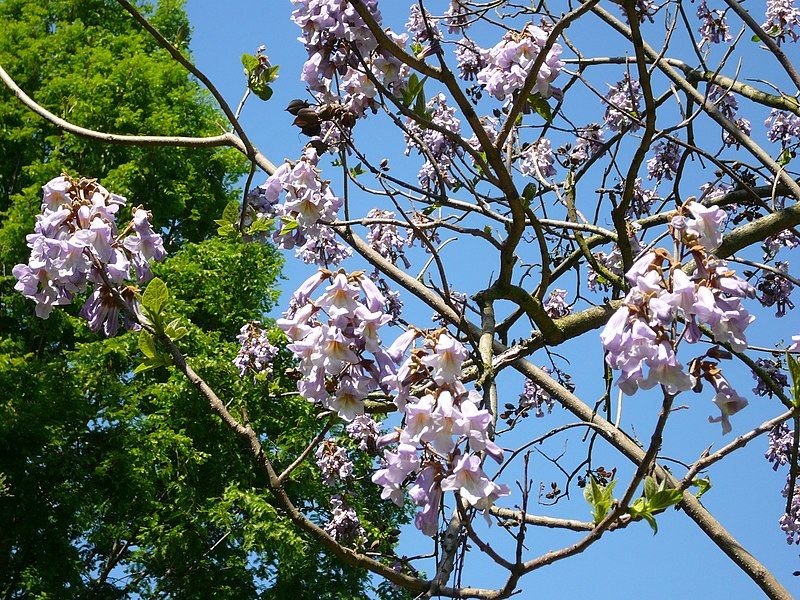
(641, 203)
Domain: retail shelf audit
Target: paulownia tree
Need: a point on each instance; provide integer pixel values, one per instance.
(637, 198)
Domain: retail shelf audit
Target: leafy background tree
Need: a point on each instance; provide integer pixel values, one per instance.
(114, 485)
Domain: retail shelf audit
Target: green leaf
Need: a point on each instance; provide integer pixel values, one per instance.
(540, 105)
(231, 212)
(147, 344)
(650, 487)
(664, 499)
(250, 63)
(155, 297)
(528, 194)
(261, 89)
(702, 484)
(794, 370)
(651, 520)
(147, 364)
(599, 497)
(755, 38)
(271, 74)
(357, 170)
(259, 225)
(289, 225)
(785, 157)
(174, 330)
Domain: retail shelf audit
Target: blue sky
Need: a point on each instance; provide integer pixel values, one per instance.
(680, 561)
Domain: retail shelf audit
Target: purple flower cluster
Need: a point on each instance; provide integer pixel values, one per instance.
(639, 334)
(340, 45)
(256, 353)
(76, 242)
(623, 99)
(556, 304)
(333, 462)
(385, 238)
(782, 19)
(784, 239)
(775, 289)
(469, 59)
(436, 425)
(308, 204)
(727, 103)
(641, 200)
(589, 141)
(779, 453)
(783, 128)
(457, 17)
(365, 430)
(713, 25)
(511, 59)
(774, 368)
(441, 148)
(336, 339)
(344, 526)
(533, 396)
(664, 164)
(422, 27)
(538, 160)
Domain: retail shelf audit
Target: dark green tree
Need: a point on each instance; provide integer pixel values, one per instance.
(118, 485)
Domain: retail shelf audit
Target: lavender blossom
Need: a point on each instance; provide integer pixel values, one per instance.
(774, 369)
(664, 165)
(469, 59)
(344, 526)
(775, 289)
(556, 304)
(256, 353)
(713, 25)
(783, 128)
(623, 101)
(333, 463)
(365, 431)
(510, 60)
(783, 17)
(537, 160)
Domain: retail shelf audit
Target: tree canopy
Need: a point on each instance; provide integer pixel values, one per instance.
(114, 485)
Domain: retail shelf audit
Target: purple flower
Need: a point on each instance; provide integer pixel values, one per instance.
(440, 147)
(782, 19)
(344, 526)
(713, 25)
(510, 60)
(76, 242)
(333, 462)
(665, 162)
(589, 141)
(469, 59)
(256, 353)
(365, 431)
(556, 304)
(427, 494)
(472, 484)
(775, 289)
(623, 101)
(537, 160)
(783, 128)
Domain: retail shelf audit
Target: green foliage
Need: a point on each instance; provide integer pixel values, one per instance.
(540, 106)
(794, 370)
(116, 480)
(657, 497)
(600, 497)
(259, 75)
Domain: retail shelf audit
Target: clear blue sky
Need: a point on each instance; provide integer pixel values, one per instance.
(679, 562)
